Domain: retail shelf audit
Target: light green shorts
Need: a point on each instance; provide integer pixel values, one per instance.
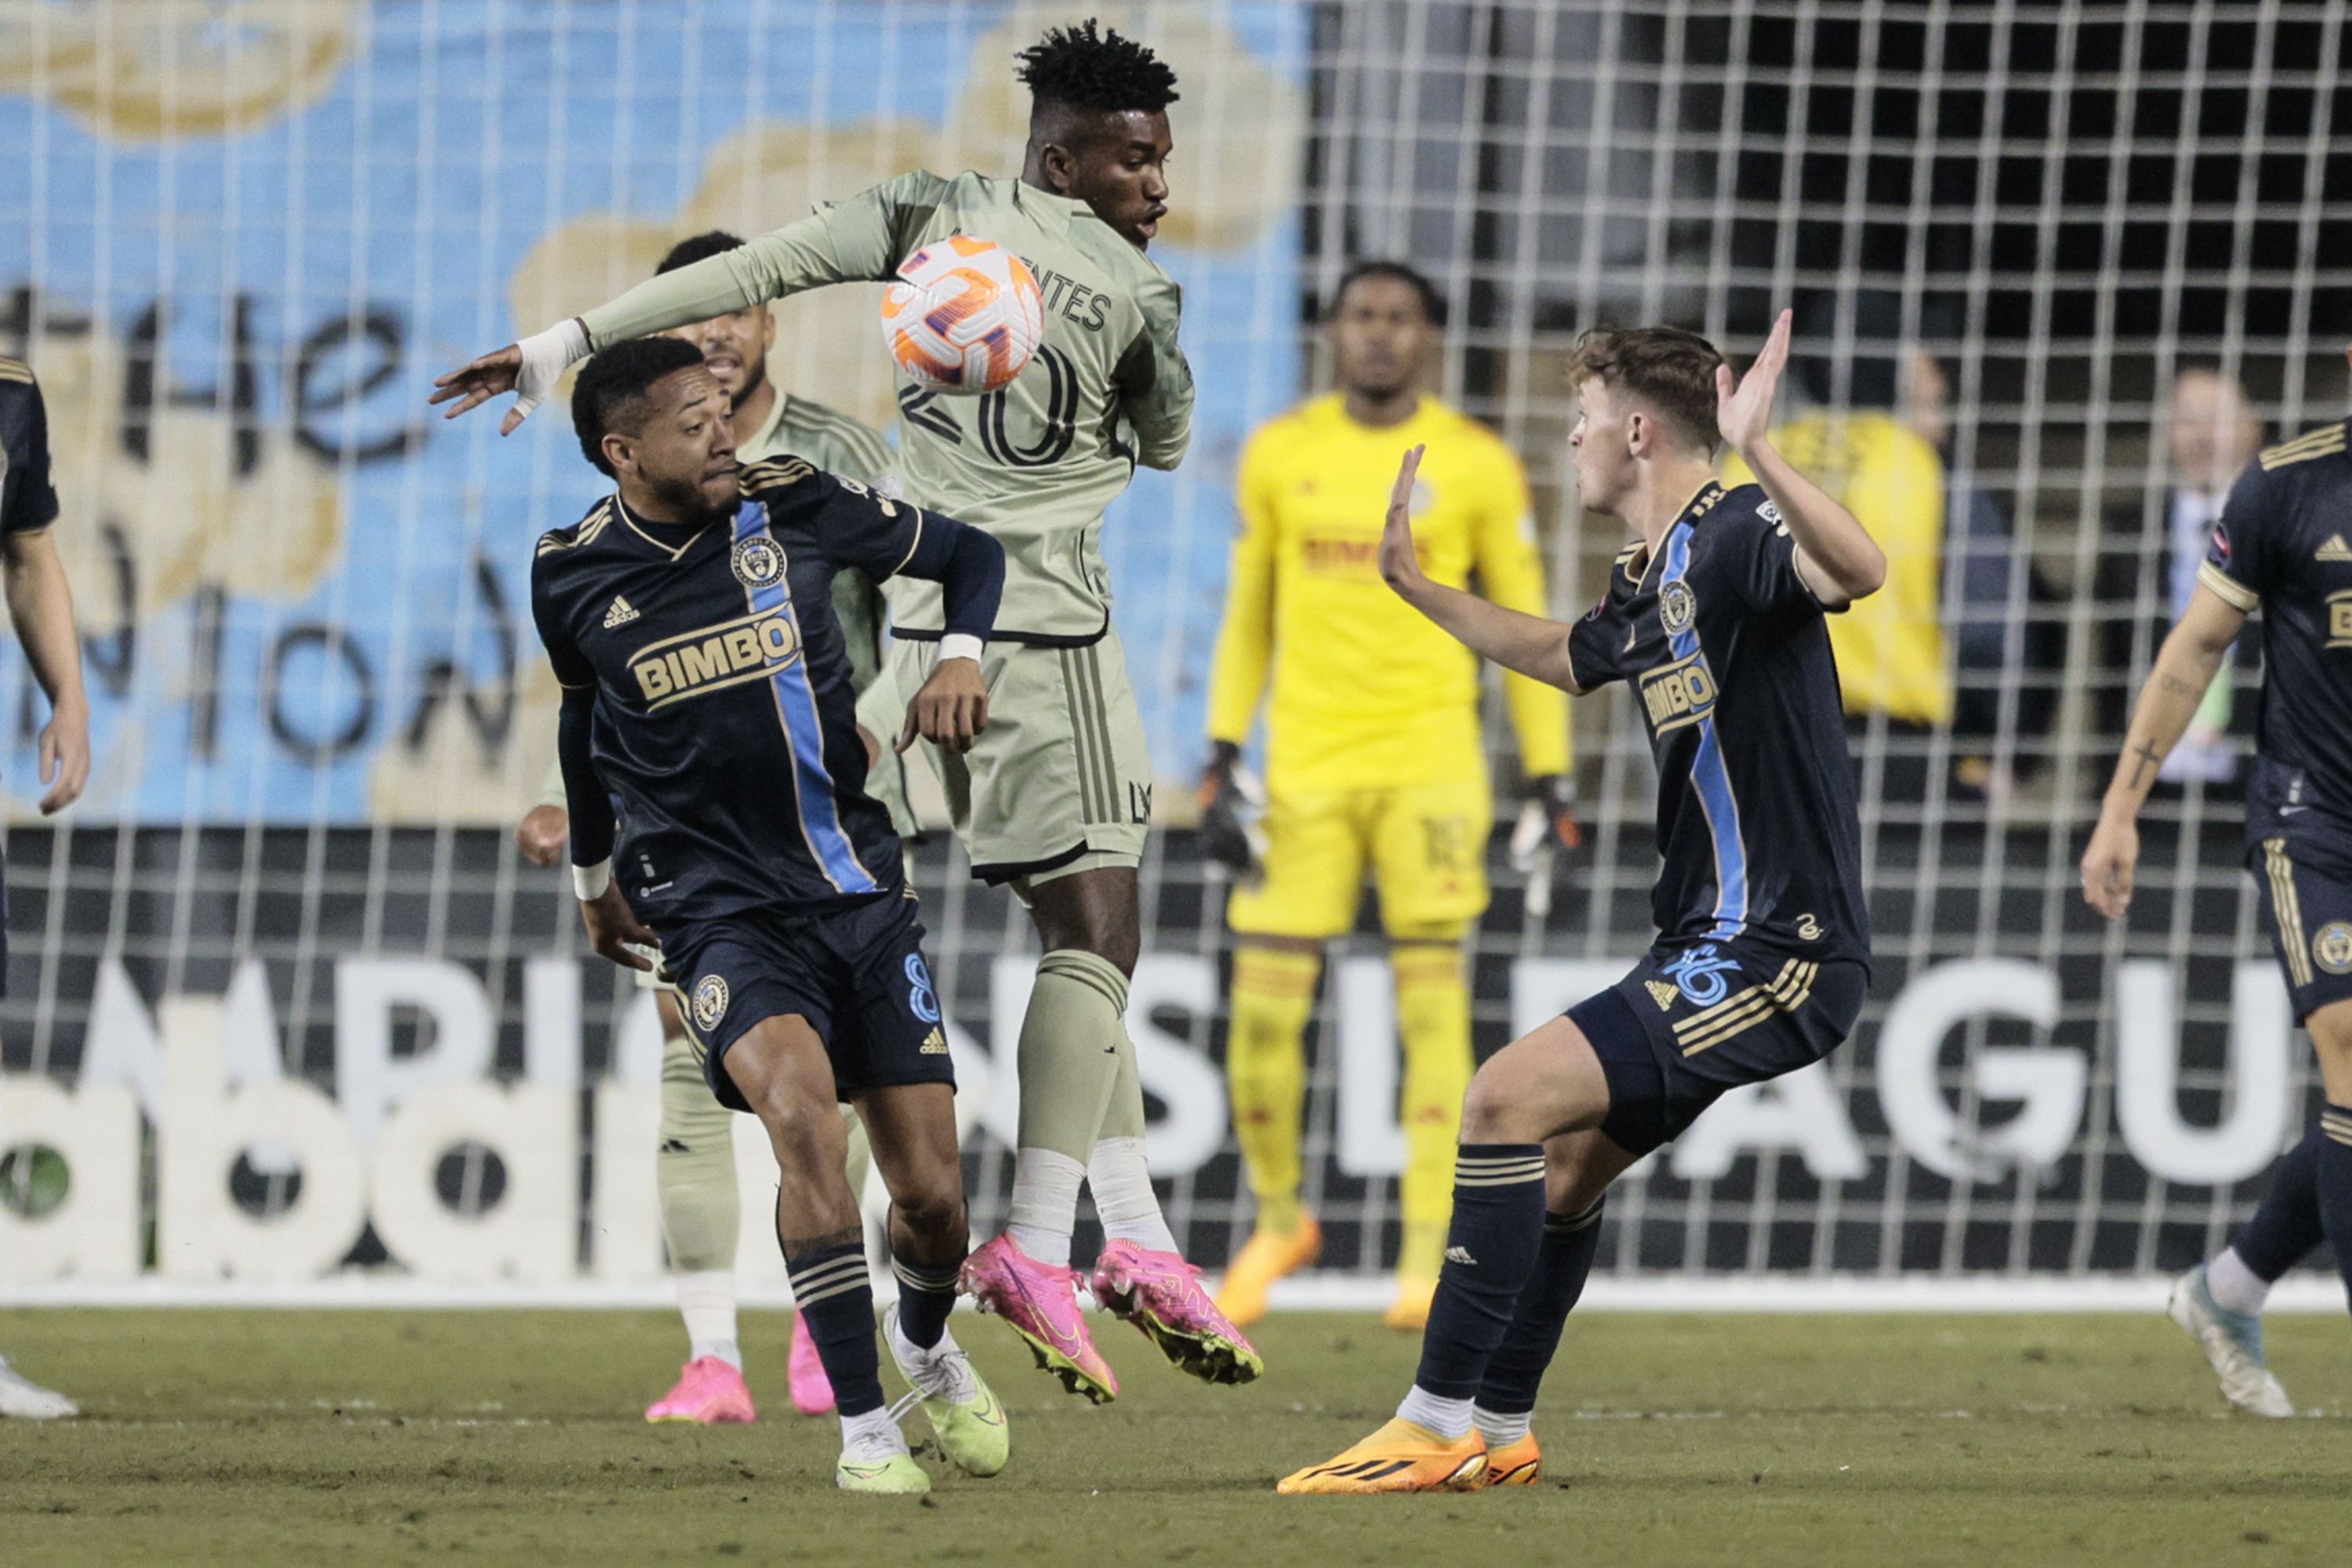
(1061, 779)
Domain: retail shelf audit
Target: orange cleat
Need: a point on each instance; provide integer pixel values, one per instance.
(1408, 1313)
(1519, 1464)
(1265, 1258)
(1401, 1457)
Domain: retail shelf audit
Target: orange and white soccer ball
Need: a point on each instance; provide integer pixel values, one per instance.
(964, 316)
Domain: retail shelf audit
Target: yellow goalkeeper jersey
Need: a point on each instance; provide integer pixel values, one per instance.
(1366, 691)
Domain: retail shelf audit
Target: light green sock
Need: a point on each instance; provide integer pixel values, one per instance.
(1069, 1066)
(695, 1169)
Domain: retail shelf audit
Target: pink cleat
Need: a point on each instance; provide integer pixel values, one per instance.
(804, 1376)
(1160, 1293)
(1037, 1300)
(709, 1392)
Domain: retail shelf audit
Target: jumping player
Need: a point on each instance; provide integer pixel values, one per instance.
(1716, 614)
(706, 698)
(1055, 799)
(2283, 546)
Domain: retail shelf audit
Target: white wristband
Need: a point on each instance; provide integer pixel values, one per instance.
(545, 357)
(961, 644)
(590, 881)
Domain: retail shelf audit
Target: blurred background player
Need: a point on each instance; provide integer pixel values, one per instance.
(695, 1168)
(726, 746)
(1056, 800)
(1375, 758)
(2283, 546)
(1838, 426)
(1762, 957)
(40, 607)
(2210, 437)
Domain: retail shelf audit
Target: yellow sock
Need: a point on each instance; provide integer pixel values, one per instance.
(1266, 1066)
(1434, 1019)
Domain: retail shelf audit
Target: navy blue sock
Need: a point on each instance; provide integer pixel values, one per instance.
(830, 1288)
(2287, 1226)
(2335, 1184)
(1562, 1264)
(926, 1297)
(1490, 1250)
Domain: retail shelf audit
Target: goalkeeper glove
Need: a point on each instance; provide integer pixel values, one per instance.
(1228, 789)
(1548, 824)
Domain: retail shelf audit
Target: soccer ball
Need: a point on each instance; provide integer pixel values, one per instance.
(964, 316)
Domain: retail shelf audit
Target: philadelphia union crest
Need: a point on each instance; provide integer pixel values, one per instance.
(1677, 607)
(709, 1002)
(758, 563)
(2331, 947)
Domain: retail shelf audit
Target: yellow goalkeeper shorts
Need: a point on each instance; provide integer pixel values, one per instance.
(1424, 844)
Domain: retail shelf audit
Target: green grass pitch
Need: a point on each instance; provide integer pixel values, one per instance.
(350, 1437)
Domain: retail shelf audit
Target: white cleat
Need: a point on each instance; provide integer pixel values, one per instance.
(2233, 1341)
(21, 1398)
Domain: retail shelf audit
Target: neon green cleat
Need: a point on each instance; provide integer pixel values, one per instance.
(963, 1411)
(887, 1475)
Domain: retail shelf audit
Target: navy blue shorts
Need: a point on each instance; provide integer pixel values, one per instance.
(856, 974)
(2306, 911)
(1695, 1019)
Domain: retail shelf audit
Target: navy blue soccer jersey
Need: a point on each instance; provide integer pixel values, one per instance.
(1727, 650)
(28, 501)
(724, 725)
(2284, 546)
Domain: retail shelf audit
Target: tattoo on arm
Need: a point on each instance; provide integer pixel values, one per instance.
(799, 1246)
(2146, 752)
(2180, 688)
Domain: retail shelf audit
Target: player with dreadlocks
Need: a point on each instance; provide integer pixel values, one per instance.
(1054, 798)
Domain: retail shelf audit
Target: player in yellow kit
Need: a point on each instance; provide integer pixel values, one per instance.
(1374, 755)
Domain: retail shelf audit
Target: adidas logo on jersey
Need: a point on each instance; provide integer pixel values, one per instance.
(935, 1046)
(1662, 994)
(2334, 549)
(1460, 1254)
(621, 613)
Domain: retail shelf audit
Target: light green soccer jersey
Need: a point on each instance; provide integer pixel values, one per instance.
(1035, 463)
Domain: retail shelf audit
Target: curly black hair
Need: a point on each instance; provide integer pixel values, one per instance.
(699, 247)
(610, 393)
(1092, 67)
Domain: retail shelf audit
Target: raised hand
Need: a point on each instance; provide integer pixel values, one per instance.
(1399, 565)
(1743, 407)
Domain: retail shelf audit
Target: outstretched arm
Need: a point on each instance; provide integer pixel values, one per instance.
(859, 238)
(2185, 667)
(1838, 560)
(1531, 645)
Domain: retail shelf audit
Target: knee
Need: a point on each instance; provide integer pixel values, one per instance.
(803, 1133)
(1492, 1113)
(933, 1208)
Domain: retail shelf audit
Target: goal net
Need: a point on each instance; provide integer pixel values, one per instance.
(286, 1003)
